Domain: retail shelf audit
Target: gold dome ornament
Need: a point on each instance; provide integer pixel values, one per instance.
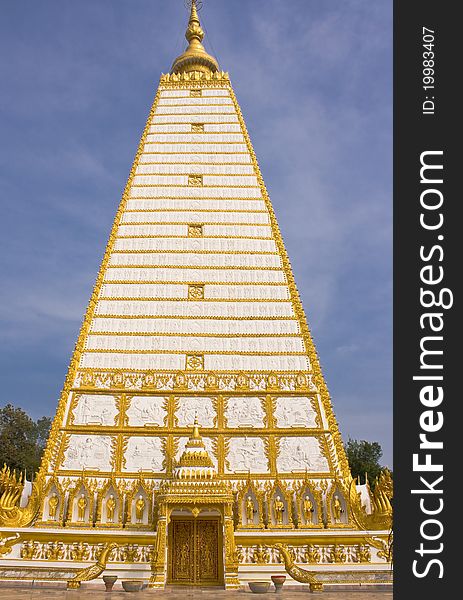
(195, 58)
(195, 462)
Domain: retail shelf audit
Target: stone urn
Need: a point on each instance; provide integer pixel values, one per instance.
(259, 587)
(134, 585)
(278, 581)
(109, 581)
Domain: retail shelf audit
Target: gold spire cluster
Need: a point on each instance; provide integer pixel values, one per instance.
(195, 461)
(195, 58)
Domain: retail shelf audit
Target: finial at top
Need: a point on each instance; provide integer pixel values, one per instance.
(195, 57)
(196, 434)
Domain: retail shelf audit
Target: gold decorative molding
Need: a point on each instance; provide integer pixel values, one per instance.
(195, 291)
(193, 180)
(195, 230)
(172, 80)
(194, 362)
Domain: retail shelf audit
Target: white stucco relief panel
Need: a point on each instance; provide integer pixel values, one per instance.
(146, 411)
(185, 128)
(153, 259)
(203, 204)
(195, 110)
(195, 245)
(188, 326)
(106, 360)
(256, 292)
(211, 92)
(195, 309)
(199, 169)
(152, 230)
(158, 217)
(144, 453)
(244, 412)
(252, 345)
(193, 147)
(212, 362)
(193, 191)
(144, 290)
(182, 138)
(218, 362)
(175, 274)
(176, 230)
(300, 454)
(95, 410)
(246, 454)
(201, 100)
(89, 452)
(182, 180)
(191, 407)
(198, 118)
(294, 412)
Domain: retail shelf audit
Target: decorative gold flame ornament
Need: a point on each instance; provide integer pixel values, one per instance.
(11, 488)
(380, 517)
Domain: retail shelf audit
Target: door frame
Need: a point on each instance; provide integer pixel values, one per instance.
(220, 549)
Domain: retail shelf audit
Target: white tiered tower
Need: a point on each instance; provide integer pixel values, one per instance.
(195, 316)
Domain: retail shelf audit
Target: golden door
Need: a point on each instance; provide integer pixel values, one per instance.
(194, 552)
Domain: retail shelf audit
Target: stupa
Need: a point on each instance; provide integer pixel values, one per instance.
(195, 430)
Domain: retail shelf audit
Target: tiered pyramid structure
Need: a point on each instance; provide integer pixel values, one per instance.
(194, 324)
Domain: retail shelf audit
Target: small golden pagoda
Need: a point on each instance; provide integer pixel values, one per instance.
(194, 441)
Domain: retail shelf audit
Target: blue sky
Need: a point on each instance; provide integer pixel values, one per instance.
(314, 82)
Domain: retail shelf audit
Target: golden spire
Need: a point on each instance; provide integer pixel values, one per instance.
(195, 57)
(195, 462)
(196, 434)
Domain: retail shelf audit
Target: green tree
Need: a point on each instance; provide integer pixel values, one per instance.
(364, 458)
(22, 440)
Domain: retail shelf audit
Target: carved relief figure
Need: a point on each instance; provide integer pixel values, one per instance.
(278, 509)
(146, 409)
(250, 510)
(307, 509)
(300, 454)
(110, 508)
(99, 410)
(244, 412)
(52, 506)
(247, 454)
(88, 451)
(139, 509)
(337, 509)
(83, 410)
(81, 506)
(144, 453)
(294, 412)
(201, 408)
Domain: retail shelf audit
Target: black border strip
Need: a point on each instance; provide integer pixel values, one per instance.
(419, 246)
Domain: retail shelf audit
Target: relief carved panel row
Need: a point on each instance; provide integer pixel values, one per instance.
(239, 411)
